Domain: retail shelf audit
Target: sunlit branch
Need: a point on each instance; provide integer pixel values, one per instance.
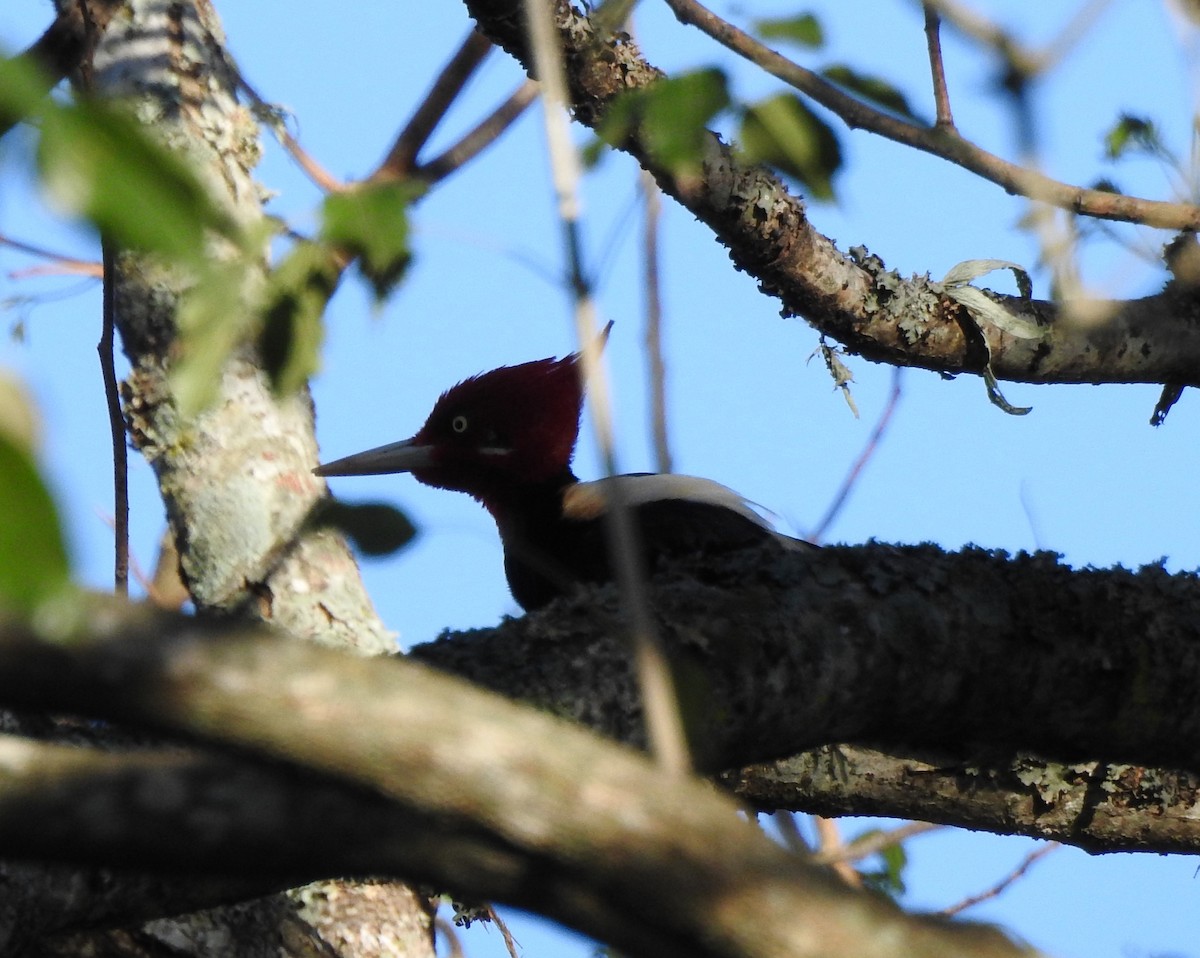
(941, 96)
(652, 211)
(486, 132)
(61, 263)
(401, 160)
(935, 140)
(321, 177)
(874, 843)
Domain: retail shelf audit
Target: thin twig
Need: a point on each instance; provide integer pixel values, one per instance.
(874, 843)
(830, 847)
(789, 831)
(997, 889)
(664, 725)
(510, 942)
(947, 144)
(66, 264)
(116, 424)
(1017, 56)
(941, 96)
(486, 132)
(449, 935)
(320, 176)
(868, 450)
(401, 160)
(654, 351)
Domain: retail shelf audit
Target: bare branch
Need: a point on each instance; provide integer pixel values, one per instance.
(486, 132)
(868, 451)
(116, 424)
(1001, 886)
(502, 801)
(652, 211)
(941, 97)
(937, 140)
(277, 123)
(854, 298)
(1091, 805)
(874, 843)
(401, 160)
(66, 264)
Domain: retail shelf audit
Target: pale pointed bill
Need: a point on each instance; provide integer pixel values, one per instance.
(403, 456)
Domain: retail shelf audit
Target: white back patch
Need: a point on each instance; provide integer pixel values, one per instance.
(589, 500)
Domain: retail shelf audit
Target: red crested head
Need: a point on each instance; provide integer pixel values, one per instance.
(512, 427)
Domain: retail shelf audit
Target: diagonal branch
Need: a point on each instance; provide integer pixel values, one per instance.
(401, 160)
(853, 297)
(502, 801)
(939, 140)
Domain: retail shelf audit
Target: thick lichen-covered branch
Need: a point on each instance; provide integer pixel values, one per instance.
(850, 295)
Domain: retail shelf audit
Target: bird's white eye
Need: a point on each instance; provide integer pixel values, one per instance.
(459, 424)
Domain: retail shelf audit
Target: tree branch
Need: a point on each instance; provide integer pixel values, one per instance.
(1092, 805)
(901, 646)
(503, 801)
(852, 297)
(939, 140)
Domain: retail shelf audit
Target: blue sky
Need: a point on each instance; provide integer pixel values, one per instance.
(1083, 474)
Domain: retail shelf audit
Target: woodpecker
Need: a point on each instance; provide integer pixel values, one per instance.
(507, 437)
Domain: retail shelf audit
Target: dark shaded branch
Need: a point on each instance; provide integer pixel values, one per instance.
(913, 649)
(510, 804)
(116, 424)
(905, 646)
(854, 298)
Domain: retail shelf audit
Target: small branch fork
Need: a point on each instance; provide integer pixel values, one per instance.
(941, 139)
(401, 160)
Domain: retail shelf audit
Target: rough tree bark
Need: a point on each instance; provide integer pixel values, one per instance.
(236, 480)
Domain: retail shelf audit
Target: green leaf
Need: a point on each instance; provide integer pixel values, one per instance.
(371, 222)
(33, 556)
(297, 291)
(670, 116)
(785, 133)
(376, 528)
(101, 164)
(23, 86)
(1134, 134)
(889, 880)
(871, 88)
(803, 29)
